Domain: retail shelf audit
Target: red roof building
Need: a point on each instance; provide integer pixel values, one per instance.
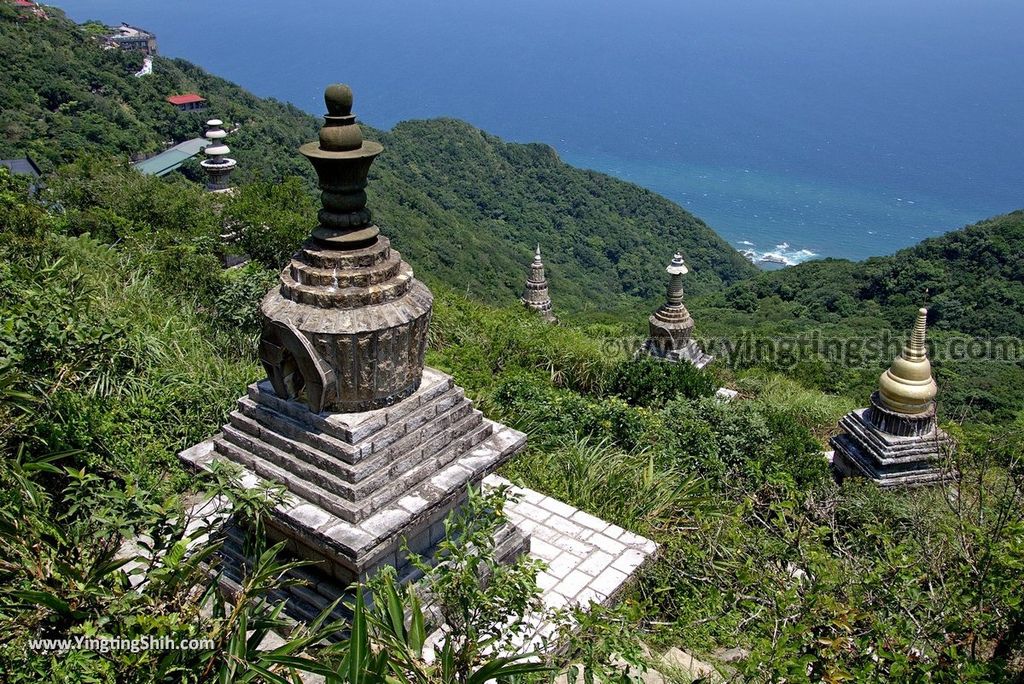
(187, 102)
(23, 3)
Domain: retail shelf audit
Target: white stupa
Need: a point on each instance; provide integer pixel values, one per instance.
(217, 164)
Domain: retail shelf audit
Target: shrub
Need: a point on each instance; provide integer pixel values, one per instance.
(649, 382)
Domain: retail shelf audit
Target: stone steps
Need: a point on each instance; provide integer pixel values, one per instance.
(330, 453)
(352, 429)
(265, 454)
(340, 277)
(892, 453)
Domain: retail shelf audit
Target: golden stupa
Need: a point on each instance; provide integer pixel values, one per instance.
(908, 387)
(896, 441)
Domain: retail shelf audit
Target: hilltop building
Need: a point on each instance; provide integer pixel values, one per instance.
(218, 165)
(896, 442)
(670, 336)
(25, 166)
(129, 37)
(535, 295)
(31, 7)
(188, 102)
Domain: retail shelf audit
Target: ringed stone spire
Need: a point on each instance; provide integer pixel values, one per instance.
(535, 295)
(218, 165)
(896, 441)
(670, 328)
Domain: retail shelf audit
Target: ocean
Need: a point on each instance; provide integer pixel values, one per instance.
(797, 129)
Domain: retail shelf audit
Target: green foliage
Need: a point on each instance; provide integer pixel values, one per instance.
(271, 219)
(970, 279)
(742, 445)
(484, 604)
(122, 341)
(645, 381)
(464, 207)
(603, 240)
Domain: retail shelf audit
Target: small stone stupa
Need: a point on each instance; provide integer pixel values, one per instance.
(373, 448)
(218, 165)
(670, 336)
(896, 442)
(535, 295)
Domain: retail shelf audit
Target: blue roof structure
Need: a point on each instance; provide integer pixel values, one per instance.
(170, 159)
(24, 165)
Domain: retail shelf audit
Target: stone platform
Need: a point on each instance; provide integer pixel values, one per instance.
(863, 450)
(586, 560)
(362, 484)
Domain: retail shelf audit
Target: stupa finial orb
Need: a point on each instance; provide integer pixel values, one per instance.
(338, 98)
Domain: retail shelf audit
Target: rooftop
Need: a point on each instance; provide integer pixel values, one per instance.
(128, 31)
(24, 165)
(187, 98)
(170, 159)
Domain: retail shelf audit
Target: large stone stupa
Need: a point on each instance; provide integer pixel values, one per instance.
(373, 448)
(535, 294)
(670, 336)
(896, 441)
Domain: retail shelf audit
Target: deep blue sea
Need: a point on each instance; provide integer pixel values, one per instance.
(803, 128)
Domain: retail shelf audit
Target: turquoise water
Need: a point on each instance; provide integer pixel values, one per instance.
(794, 127)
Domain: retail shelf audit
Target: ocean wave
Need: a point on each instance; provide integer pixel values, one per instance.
(782, 254)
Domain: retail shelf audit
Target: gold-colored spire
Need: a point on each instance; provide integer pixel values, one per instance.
(908, 387)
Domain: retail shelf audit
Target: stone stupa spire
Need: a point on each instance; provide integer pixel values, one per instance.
(897, 441)
(218, 165)
(347, 329)
(373, 448)
(535, 295)
(671, 326)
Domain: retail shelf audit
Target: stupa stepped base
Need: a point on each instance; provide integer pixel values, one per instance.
(689, 352)
(361, 484)
(314, 590)
(585, 560)
(889, 461)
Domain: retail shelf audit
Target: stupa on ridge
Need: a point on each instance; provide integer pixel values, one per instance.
(670, 336)
(372, 447)
(896, 442)
(218, 165)
(535, 294)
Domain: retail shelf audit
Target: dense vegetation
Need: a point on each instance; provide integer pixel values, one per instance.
(969, 279)
(972, 280)
(462, 205)
(123, 340)
(111, 364)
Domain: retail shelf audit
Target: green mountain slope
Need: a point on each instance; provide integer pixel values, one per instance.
(461, 205)
(470, 207)
(971, 279)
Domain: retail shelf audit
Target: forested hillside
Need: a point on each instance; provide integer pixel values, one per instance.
(463, 207)
(971, 279)
(123, 346)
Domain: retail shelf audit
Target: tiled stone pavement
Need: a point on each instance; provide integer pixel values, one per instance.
(588, 559)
